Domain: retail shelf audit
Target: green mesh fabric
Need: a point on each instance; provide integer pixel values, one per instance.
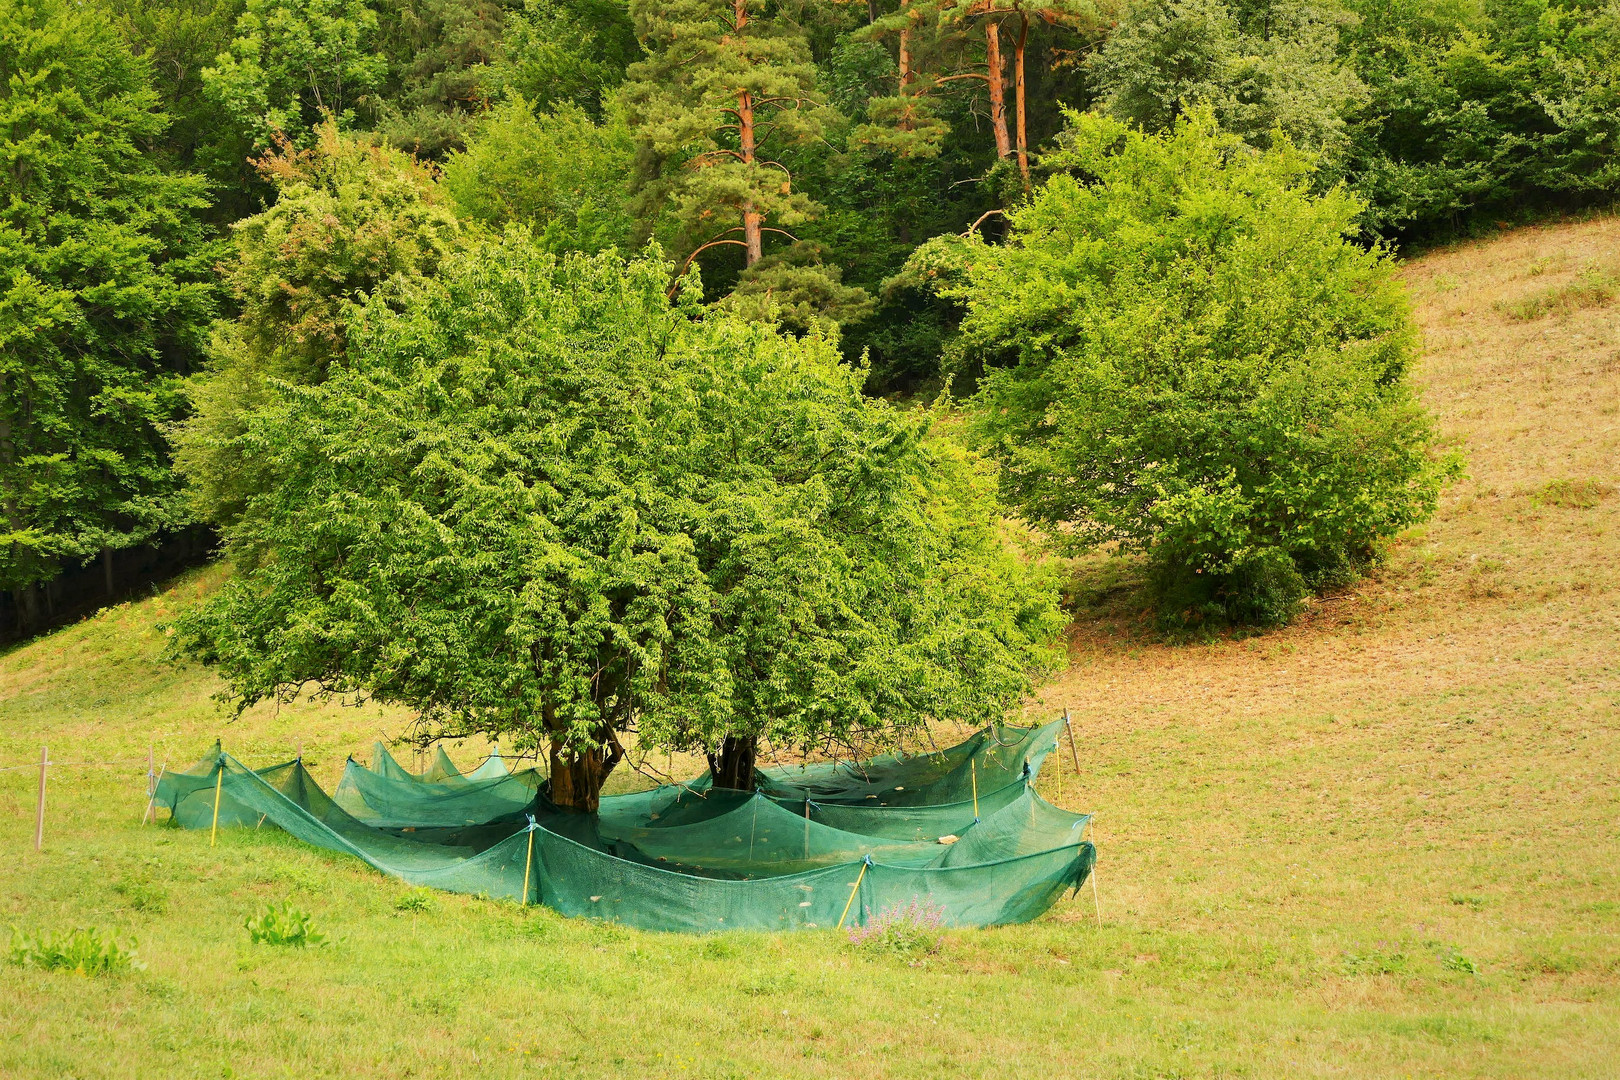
(810, 844)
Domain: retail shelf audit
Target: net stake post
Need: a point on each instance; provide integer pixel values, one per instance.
(1073, 753)
(807, 826)
(866, 860)
(1095, 901)
(39, 809)
(219, 785)
(528, 861)
(151, 802)
(974, 770)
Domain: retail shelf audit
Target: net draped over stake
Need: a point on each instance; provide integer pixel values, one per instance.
(813, 844)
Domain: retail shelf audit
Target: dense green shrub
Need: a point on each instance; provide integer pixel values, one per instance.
(1187, 357)
(558, 171)
(1504, 110)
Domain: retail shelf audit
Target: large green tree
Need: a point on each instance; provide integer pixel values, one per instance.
(1188, 357)
(179, 39)
(104, 295)
(545, 503)
(351, 221)
(293, 63)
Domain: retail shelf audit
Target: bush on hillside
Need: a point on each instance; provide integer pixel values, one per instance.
(1186, 357)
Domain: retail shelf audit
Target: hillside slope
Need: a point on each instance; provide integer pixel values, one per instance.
(1382, 842)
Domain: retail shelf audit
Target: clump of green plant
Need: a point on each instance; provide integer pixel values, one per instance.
(416, 901)
(910, 931)
(83, 951)
(1223, 391)
(284, 924)
(143, 895)
(1454, 961)
(1375, 962)
(1580, 494)
(1592, 287)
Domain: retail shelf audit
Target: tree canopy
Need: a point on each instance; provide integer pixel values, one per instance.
(350, 222)
(104, 297)
(1186, 355)
(543, 502)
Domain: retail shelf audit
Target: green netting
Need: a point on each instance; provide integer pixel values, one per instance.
(691, 857)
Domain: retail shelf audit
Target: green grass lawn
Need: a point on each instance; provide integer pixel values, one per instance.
(1381, 843)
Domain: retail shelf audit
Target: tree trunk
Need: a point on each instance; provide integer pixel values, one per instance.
(1018, 92)
(107, 568)
(734, 767)
(753, 220)
(29, 594)
(998, 88)
(906, 74)
(577, 779)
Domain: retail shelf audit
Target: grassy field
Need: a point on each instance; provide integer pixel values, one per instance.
(1382, 843)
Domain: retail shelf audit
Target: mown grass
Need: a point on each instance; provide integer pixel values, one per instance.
(1380, 843)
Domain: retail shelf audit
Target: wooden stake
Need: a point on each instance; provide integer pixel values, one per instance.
(852, 893)
(1072, 751)
(218, 785)
(151, 802)
(39, 810)
(973, 764)
(527, 862)
(807, 826)
(1094, 898)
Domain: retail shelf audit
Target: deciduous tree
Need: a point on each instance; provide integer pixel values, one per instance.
(542, 502)
(1188, 357)
(351, 221)
(105, 295)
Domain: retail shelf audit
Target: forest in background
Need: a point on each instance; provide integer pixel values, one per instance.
(181, 175)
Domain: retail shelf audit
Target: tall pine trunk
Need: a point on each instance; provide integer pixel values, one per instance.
(733, 767)
(1018, 92)
(998, 88)
(753, 220)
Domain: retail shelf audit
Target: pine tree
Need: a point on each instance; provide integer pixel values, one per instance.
(724, 84)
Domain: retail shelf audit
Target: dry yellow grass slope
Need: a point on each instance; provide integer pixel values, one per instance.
(1433, 757)
(1383, 842)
